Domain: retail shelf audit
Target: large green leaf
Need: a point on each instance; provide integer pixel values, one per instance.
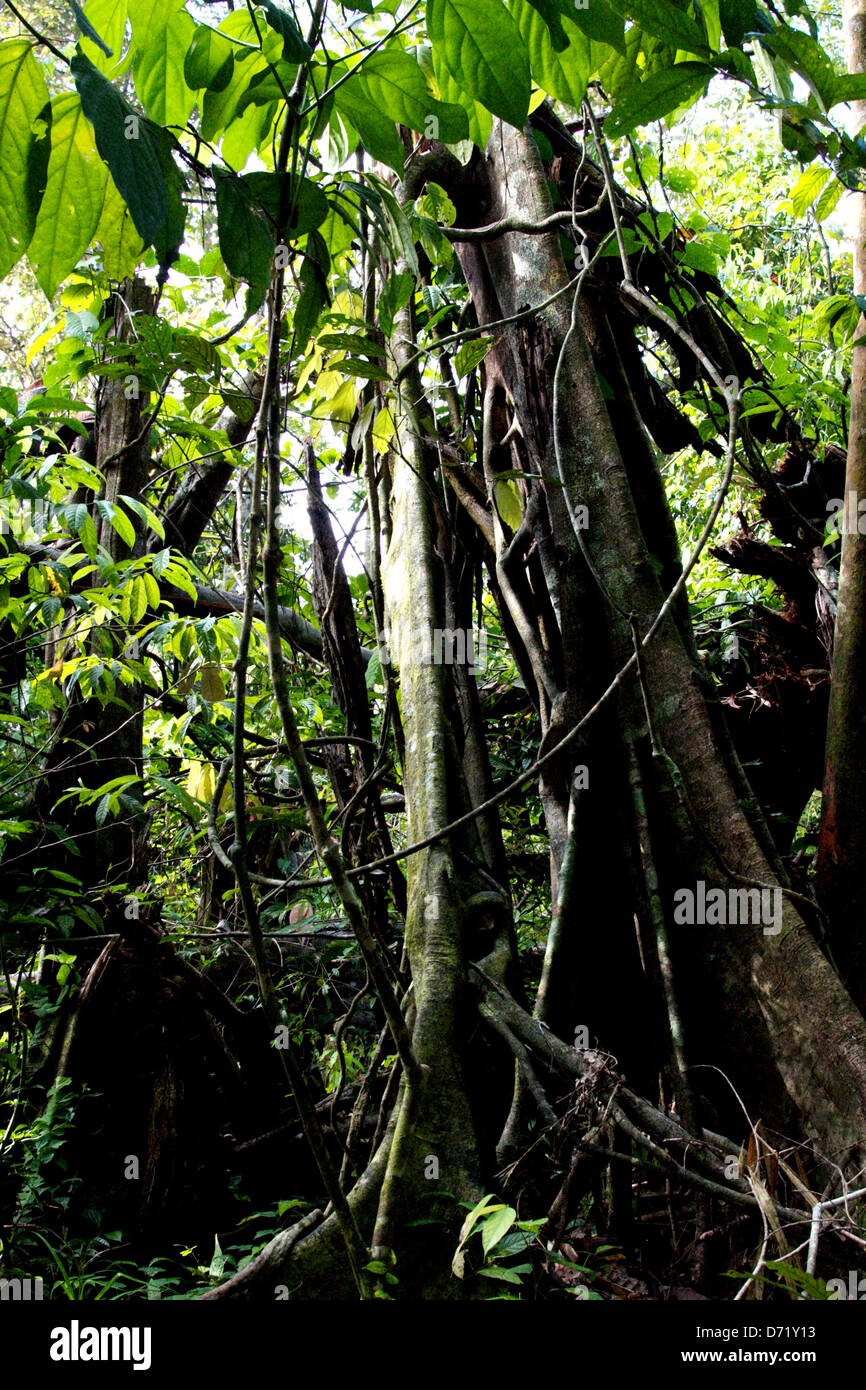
(550, 11)
(221, 102)
(314, 295)
(169, 236)
(245, 133)
(122, 247)
(209, 60)
(664, 20)
(479, 118)
(74, 194)
(378, 133)
(25, 115)
(807, 58)
(159, 63)
(848, 87)
(738, 19)
(393, 83)
(599, 22)
(563, 75)
(127, 145)
(483, 50)
(658, 95)
(108, 18)
(305, 203)
(88, 30)
(295, 47)
(246, 245)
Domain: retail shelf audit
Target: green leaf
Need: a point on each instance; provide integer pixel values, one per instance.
(847, 87)
(665, 21)
(738, 18)
(311, 301)
(807, 188)
(496, 1226)
(508, 502)
(295, 47)
(599, 22)
(657, 95)
(87, 536)
(74, 195)
(126, 143)
(169, 238)
(562, 75)
(373, 673)
(25, 116)
(396, 293)
(470, 354)
(209, 60)
(118, 520)
(88, 30)
(122, 247)
(806, 57)
(80, 323)
(305, 201)
(246, 245)
(145, 513)
(352, 343)
(159, 63)
(356, 366)
(108, 18)
(377, 132)
(160, 562)
(699, 257)
(484, 52)
(394, 83)
(479, 118)
(550, 13)
(828, 199)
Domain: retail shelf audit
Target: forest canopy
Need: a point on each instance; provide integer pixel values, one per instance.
(432, 503)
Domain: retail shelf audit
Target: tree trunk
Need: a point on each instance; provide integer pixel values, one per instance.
(842, 854)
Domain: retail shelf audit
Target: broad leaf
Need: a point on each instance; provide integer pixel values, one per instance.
(377, 132)
(808, 187)
(479, 118)
(209, 60)
(25, 116)
(495, 1227)
(599, 22)
(306, 206)
(127, 145)
(657, 96)
(74, 195)
(484, 52)
(246, 245)
(394, 83)
(160, 60)
(314, 297)
(664, 20)
(738, 19)
(88, 30)
(562, 75)
(108, 19)
(295, 47)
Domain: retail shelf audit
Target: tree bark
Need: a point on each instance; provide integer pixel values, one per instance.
(842, 854)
